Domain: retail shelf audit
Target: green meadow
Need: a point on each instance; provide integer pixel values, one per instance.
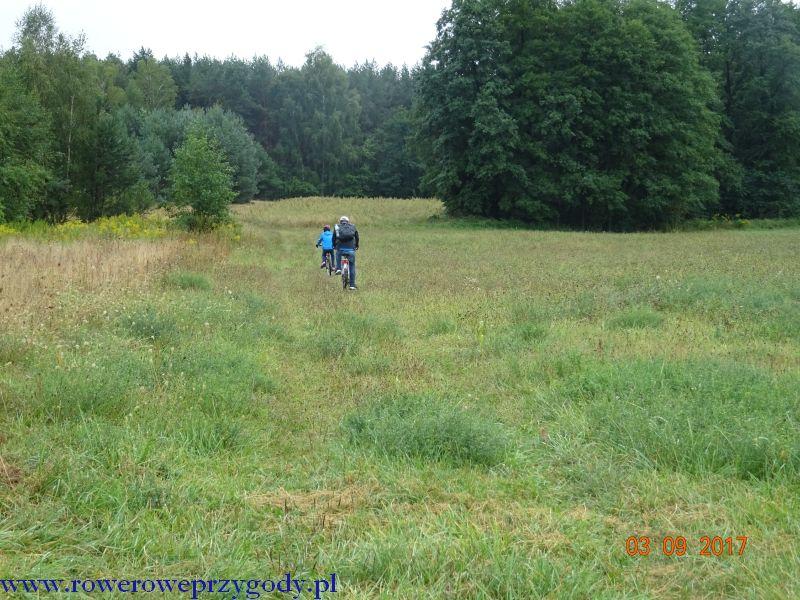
(491, 415)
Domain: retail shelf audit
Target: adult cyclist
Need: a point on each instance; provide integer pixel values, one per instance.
(345, 239)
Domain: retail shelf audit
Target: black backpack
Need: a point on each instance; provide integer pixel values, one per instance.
(347, 232)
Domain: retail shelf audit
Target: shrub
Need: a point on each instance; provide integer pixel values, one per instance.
(430, 428)
(132, 226)
(201, 179)
(6, 229)
(70, 229)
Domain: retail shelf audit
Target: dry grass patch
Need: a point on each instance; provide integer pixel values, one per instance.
(315, 212)
(343, 499)
(34, 274)
(9, 474)
(326, 508)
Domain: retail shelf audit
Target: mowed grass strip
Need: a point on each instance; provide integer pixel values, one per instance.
(491, 415)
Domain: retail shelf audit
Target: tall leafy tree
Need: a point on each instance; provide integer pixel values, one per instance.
(51, 65)
(25, 147)
(752, 47)
(181, 71)
(761, 93)
(159, 134)
(112, 129)
(638, 113)
(112, 78)
(151, 86)
(331, 110)
(238, 146)
(464, 91)
(390, 158)
(593, 113)
(319, 125)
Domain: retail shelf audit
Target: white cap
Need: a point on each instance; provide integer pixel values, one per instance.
(344, 220)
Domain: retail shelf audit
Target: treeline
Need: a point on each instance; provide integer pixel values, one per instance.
(326, 130)
(95, 137)
(614, 114)
(88, 137)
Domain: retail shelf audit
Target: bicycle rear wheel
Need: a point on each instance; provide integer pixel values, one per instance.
(345, 275)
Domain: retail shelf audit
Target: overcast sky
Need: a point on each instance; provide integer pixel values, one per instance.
(350, 30)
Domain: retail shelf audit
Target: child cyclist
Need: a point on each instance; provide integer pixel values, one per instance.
(326, 241)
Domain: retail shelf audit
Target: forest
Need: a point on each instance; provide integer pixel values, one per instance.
(597, 114)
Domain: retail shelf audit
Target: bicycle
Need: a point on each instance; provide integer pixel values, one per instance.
(345, 272)
(328, 262)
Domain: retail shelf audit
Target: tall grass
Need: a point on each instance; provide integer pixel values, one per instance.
(429, 427)
(187, 280)
(697, 417)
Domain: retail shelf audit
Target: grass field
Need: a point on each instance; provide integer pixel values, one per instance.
(491, 415)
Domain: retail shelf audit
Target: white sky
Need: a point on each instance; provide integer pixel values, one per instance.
(350, 30)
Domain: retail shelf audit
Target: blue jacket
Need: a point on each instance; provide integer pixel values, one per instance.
(326, 240)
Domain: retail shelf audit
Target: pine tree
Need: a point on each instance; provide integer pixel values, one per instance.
(109, 169)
